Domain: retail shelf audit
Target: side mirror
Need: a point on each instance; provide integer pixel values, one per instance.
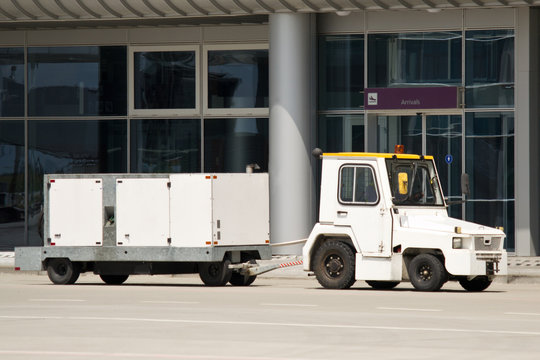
(465, 187)
(403, 181)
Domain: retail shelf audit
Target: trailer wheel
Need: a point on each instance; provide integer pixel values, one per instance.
(62, 271)
(382, 285)
(479, 283)
(334, 264)
(427, 273)
(114, 279)
(238, 279)
(215, 273)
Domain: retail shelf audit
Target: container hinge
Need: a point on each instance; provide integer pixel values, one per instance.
(169, 184)
(169, 240)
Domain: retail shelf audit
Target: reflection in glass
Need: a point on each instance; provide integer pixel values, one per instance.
(232, 144)
(238, 79)
(11, 82)
(414, 59)
(79, 80)
(494, 213)
(164, 80)
(341, 133)
(11, 184)
(341, 72)
(70, 147)
(443, 138)
(489, 71)
(165, 146)
(490, 165)
(399, 130)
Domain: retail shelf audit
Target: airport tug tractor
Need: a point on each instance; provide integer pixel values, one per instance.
(383, 219)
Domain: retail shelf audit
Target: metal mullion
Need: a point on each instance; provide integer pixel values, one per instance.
(26, 187)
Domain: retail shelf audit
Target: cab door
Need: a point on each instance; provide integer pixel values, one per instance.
(362, 207)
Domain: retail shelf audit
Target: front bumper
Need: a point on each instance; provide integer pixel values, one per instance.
(464, 262)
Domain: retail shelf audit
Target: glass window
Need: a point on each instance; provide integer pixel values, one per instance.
(77, 81)
(357, 185)
(11, 184)
(341, 133)
(11, 82)
(166, 146)
(164, 79)
(443, 141)
(237, 79)
(232, 144)
(399, 130)
(414, 59)
(341, 72)
(490, 165)
(70, 147)
(489, 68)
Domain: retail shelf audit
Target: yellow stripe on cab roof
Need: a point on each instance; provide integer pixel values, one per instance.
(378, 155)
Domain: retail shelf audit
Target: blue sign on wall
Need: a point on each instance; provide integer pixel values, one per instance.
(448, 158)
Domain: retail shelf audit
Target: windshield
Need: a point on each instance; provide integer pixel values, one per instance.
(414, 182)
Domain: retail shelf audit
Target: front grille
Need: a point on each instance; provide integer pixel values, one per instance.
(487, 243)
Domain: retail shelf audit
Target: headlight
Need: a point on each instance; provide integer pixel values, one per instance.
(457, 243)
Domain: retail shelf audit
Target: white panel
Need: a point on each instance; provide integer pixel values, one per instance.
(482, 18)
(191, 210)
(76, 212)
(236, 33)
(142, 212)
(383, 269)
(241, 209)
(414, 20)
(165, 35)
(78, 37)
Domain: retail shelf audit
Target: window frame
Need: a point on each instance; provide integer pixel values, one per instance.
(191, 112)
(234, 112)
(375, 182)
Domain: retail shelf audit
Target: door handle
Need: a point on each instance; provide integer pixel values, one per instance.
(342, 212)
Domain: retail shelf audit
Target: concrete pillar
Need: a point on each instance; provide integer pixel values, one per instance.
(527, 134)
(291, 127)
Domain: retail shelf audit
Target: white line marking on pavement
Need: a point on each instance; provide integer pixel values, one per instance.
(170, 302)
(71, 354)
(299, 305)
(408, 309)
(274, 324)
(58, 300)
(524, 314)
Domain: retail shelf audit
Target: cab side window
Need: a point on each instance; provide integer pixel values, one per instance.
(357, 185)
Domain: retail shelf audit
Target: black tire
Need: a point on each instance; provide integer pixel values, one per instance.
(479, 283)
(114, 279)
(215, 273)
(334, 265)
(62, 271)
(427, 273)
(238, 279)
(382, 285)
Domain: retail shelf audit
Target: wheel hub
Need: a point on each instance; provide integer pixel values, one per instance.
(425, 273)
(334, 265)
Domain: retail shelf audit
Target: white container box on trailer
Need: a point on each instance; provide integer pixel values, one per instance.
(116, 225)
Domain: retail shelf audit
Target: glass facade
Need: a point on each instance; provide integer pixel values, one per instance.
(165, 145)
(232, 144)
(237, 79)
(489, 69)
(414, 59)
(164, 80)
(11, 183)
(341, 72)
(77, 81)
(12, 81)
(341, 132)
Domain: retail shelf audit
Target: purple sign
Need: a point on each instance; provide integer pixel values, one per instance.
(411, 98)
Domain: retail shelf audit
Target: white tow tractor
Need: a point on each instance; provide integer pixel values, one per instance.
(383, 219)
